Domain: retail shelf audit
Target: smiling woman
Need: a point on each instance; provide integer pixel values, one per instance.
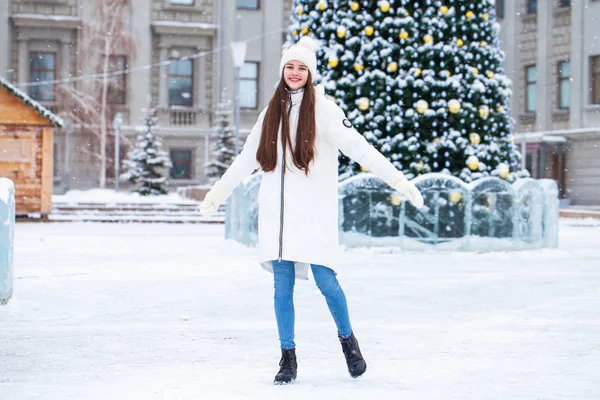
(296, 141)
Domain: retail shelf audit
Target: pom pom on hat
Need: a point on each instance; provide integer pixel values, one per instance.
(309, 43)
(303, 51)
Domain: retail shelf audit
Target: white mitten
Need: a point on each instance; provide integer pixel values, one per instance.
(407, 189)
(211, 203)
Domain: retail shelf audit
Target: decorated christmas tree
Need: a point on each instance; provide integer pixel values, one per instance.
(422, 80)
(147, 162)
(223, 150)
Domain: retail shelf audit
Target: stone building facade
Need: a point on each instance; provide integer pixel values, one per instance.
(46, 40)
(553, 59)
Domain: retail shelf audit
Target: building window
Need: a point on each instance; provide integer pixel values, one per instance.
(595, 66)
(42, 67)
(182, 2)
(564, 85)
(531, 78)
(181, 83)
(564, 3)
(531, 6)
(117, 84)
(248, 4)
(249, 85)
(499, 9)
(182, 164)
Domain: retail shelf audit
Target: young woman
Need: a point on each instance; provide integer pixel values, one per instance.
(296, 141)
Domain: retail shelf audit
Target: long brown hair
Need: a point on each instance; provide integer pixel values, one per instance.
(277, 114)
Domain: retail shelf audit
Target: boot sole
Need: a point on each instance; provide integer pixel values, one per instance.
(284, 383)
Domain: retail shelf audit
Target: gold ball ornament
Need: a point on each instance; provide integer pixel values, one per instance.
(436, 140)
(485, 16)
(473, 163)
(295, 33)
(428, 38)
(475, 138)
(304, 30)
(322, 5)
(455, 197)
(333, 62)
(403, 35)
(446, 72)
(384, 6)
(369, 30)
(475, 71)
(469, 14)
(393, 66)
(503, 171)
(483, 43)
(460, 43)
(490, 75)
(454, 106)
(354, 6)
(358, 67)
(395, 200)
(484, 111)
(418, 72)
(363, 104)
(299, 10)
(419, 166)
(421, 106)
(341, 32)
(500, 109)
(443, 10)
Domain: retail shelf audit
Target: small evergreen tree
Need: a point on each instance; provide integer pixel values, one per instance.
(146, 160)
(223, 150)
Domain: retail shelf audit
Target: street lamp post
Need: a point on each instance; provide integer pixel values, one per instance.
(117, 122)
(238, 50)
(67, 179)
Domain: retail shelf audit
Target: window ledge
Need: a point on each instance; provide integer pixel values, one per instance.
(562, 10)
(527, 116)
(592, 107)
(182, 181)
(180, 7)
(181, 108)
(560, 111)
(529, 17)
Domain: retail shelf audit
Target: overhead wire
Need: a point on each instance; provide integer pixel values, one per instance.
(143, 67)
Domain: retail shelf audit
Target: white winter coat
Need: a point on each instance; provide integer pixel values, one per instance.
(298, 214)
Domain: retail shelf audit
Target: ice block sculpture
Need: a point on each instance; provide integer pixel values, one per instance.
(241, 212)
(485, 215)
(7, 230)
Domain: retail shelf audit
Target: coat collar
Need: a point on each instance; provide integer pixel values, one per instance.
(297, 95)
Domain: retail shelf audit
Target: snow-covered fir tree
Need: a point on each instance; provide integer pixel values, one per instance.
(421, 79)
(223, 149)
(147, 162)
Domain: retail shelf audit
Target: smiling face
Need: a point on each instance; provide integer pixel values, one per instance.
(295, 74)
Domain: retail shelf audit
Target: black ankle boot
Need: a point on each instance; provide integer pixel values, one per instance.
(289, 367)
(356, 363)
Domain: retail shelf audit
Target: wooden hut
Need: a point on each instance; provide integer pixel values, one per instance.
(26, 130)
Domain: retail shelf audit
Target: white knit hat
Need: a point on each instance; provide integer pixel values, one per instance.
(303, 51)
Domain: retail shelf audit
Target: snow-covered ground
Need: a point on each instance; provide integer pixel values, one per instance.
(155, 311)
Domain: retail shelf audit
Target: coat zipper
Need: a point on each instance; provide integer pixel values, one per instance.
(283, 166)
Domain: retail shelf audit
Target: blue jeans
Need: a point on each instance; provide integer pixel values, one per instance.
(284, 300)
